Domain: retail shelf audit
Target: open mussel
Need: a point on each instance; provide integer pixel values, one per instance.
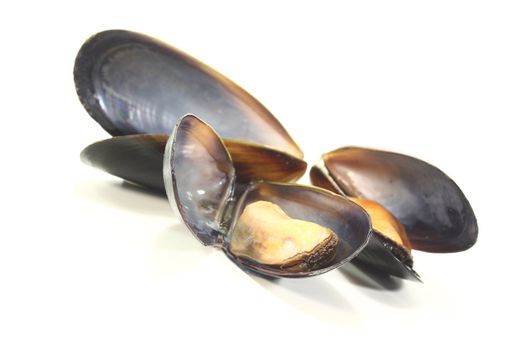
(137, 88)
(276, 229)
(431, 208)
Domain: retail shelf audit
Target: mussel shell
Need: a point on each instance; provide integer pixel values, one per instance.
(256, 162)
(346, 219)
(319, 177)
(199, 178)
(381, 253)
(138, 159)
(201, 185)
(134, 158)
(131, 84)
(434, 211)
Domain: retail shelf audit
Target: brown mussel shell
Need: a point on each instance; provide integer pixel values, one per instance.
(382, 253)
(133, 84)
(390, 230)
(434, 211)
(202, 187)
(256, 162)
(138, 159)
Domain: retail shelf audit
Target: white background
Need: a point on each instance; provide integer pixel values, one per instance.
(87, 263)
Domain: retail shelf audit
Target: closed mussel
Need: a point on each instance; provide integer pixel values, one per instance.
(431, 208)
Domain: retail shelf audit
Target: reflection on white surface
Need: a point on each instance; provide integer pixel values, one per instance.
(316, 298)
(175, 250)
(125, 196)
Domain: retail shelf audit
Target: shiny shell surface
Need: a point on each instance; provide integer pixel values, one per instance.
(131, 83)
(434, 211)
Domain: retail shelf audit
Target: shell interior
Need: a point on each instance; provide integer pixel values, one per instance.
(198, 176)
(130, 83)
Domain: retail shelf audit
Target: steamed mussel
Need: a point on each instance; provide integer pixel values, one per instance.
(225, 174)
(276, 229)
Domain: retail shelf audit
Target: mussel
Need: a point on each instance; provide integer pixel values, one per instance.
(137, 88)
(275, 229)
(429, 205)
(227, 174)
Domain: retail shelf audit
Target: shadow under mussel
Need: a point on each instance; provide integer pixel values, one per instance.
(412, 204)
